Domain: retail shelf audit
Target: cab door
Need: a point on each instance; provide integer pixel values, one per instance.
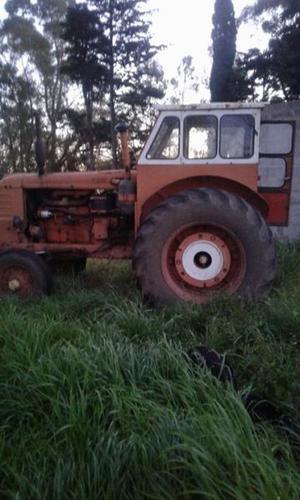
(275, 170)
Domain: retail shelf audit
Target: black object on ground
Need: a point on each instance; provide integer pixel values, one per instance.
(259, 407)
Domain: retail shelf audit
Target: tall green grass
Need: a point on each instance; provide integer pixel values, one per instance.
(98, 402)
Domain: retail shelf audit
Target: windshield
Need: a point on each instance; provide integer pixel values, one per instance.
(166, 143)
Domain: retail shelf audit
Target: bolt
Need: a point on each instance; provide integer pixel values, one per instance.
(212, 238)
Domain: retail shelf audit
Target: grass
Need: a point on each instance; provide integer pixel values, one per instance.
(98, 402)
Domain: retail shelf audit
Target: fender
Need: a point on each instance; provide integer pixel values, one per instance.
(250, 196)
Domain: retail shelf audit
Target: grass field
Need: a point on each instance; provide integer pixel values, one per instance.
(98, 402)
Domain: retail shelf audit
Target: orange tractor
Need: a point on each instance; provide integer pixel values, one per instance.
(189, 214)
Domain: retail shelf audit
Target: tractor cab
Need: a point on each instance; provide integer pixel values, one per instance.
(244, 148)
(210, 134)
(211, 145)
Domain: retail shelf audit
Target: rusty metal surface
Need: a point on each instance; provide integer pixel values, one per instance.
(155, 183)
(102, 179)
(194, 239)
(227, 280)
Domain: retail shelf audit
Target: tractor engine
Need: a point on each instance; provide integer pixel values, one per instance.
(70, 217)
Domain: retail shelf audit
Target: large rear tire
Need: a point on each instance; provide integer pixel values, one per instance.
(201, 244)
(24, 274)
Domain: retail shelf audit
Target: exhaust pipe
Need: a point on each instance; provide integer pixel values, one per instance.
(127, 187)
(122, 129)
(40, 156)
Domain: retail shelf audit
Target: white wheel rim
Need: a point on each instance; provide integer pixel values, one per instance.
(211, 255)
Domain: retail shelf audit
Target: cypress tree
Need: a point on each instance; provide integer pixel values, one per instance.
(224, 48)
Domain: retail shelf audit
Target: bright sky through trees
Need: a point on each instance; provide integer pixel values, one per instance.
(185, 26)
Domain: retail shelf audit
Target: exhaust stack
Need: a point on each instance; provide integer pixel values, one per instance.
(40, 155)
(127, 187)
(122, 129)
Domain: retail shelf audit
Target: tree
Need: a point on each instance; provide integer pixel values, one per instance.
(186, 80)
(278, 67)
(136, 105)
(262, 6)
(247, 80)
(102, 47)
(17, 97)
(86, 62)
(133, 79)
(224, 48)
(32, 30)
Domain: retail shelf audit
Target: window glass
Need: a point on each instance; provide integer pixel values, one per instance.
(237, 136)
(200, 137)
(276, 138)
(272, 172)
(166, 143)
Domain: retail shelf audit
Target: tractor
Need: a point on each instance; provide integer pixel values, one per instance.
(190, 214)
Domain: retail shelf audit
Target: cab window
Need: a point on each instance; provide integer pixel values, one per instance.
(166, 143)
(237, 136)
(200, 137)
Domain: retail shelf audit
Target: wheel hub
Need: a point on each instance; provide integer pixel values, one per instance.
(16, 280)
(13, 285)
(203, 260)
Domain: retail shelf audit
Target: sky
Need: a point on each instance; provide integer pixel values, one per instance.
(185, 27)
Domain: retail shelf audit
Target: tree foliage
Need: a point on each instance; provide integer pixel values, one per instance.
(276, 69)
(85, 66)
(133, 78)
(17, 96)
(110, 54)
(185, 82)
(32, 41)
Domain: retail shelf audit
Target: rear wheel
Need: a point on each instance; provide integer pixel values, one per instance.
(24, 274)
(203, 243)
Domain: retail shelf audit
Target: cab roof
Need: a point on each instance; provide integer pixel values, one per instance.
(210, 106)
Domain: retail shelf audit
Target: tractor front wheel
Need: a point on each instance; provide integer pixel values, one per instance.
(24, 274)
(201, 244)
